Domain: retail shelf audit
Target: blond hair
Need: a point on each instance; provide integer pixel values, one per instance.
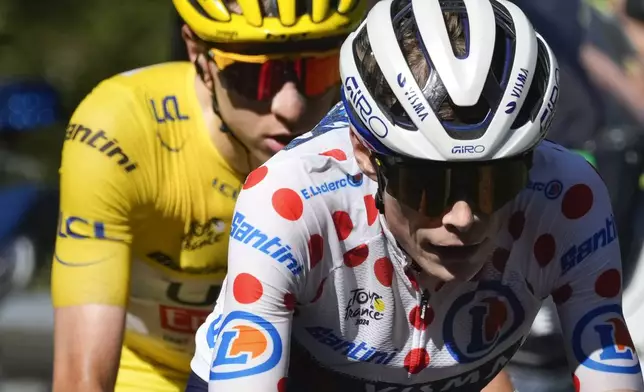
(413, 53)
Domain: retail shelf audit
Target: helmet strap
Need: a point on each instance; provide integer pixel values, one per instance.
(223, 127)
(382, 181)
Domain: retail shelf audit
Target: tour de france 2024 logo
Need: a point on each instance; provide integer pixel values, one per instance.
(600, 341)
(364, 306)
(246, 345)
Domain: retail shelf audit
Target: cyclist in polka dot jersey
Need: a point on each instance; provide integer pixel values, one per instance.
(407, 242)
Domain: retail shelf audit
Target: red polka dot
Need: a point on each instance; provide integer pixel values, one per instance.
(287, 204)
(255, 177)
(356, 256)
(289, 301)
(497, 317)
(318, 294)
(576, 383)
(577, 201)
(335, 153)
(316, 250)
(417, 321)
(515, 227)
(372, 211)
(412, 279)
(384, 271)
(544, 249)
(608, 284)
(500, 258)
(343, 224)
(247, 289)
(562, 294)
(281, 384)
(416, 360)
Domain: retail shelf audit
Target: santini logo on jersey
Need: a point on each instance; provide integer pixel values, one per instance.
(104, 144)
(578, 253)
(332, 186)
(274, 247)
(359, 351)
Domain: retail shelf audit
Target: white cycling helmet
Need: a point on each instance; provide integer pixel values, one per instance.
(503, 91)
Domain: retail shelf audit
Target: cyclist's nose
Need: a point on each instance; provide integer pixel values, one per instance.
(288, 104)
(459, 216)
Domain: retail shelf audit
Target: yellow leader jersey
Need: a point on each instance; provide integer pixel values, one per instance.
(146, 205)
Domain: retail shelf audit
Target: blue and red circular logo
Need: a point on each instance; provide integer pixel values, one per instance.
(246, 344)
(600, 341)
(553, 189)
(479, 321)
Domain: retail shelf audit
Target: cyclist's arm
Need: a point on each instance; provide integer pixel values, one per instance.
(588, 291)
(250, 339)
(500, 383)
(91, 265)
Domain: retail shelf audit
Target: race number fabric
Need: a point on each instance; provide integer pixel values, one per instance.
(319, 296)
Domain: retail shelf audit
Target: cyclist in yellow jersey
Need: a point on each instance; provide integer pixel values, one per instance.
(152, 163)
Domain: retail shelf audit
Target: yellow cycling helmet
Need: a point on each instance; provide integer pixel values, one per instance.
(211, 20)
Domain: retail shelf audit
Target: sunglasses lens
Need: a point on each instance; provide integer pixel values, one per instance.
(261, 81)
(431, 188)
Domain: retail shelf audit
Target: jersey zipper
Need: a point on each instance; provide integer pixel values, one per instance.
(420, 335)
(424, 302)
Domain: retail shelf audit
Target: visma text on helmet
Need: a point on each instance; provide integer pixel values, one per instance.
(413, 98)
(273, 247)
(517, 90)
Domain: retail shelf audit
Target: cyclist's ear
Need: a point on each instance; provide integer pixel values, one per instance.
(197, 53)
(363, 156)
(193, 43)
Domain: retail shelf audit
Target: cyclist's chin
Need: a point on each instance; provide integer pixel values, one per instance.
(458, 264)
(451, 270)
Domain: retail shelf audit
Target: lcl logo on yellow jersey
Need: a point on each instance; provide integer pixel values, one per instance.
(76, 227)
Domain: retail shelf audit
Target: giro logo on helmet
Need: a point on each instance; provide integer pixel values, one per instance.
(548, 114)
(363, 107)
(479, 149)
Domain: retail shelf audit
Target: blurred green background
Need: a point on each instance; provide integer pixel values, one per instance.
(74, 45)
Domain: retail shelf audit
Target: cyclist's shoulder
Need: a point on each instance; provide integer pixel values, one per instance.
(126, 111)
(320, 153)
(565, 167)
(311, 185)
(153, 78)
(148, 91)
(563, 204)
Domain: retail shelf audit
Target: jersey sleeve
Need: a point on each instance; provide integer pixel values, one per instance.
(249, 332)
(91, 263)
(588, 290)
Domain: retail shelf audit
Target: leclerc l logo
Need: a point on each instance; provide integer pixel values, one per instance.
(494, 313)
(246, 345)
(601, 342)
